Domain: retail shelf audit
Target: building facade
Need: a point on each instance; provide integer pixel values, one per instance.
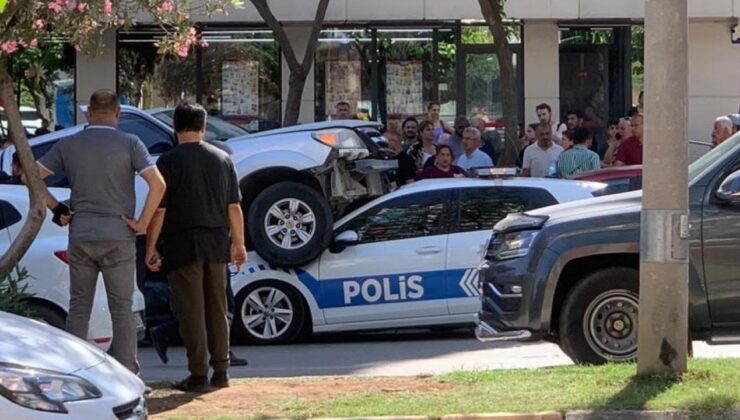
(391, 57)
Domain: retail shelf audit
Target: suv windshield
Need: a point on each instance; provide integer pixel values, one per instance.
(216, 128)
(704, 162)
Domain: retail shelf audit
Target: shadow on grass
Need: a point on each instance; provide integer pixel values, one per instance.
(714, 407)
(635, 394)
(163, 398)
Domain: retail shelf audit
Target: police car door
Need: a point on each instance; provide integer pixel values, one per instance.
(394, 274)
(480, 208)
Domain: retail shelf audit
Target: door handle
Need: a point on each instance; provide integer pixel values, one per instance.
(429, 250)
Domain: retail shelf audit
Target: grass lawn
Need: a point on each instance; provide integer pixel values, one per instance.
(710, 388)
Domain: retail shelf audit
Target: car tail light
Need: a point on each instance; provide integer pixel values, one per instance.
(102, 340)
(62, 255)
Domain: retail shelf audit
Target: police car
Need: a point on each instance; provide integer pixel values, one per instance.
(406, 259)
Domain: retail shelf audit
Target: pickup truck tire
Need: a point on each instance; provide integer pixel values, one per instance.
(289, 224)
(269, 312)
(598, 321)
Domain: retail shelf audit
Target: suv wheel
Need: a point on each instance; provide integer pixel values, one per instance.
(269, 312)
(289, 224)
(598, 323)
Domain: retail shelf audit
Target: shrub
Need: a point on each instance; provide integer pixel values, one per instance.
(13, 295)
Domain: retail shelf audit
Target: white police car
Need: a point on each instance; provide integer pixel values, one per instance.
(46, 263)
(406, 259)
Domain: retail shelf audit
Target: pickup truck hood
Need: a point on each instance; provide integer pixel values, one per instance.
(596, 207)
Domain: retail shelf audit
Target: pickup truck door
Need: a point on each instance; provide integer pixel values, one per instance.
(396, 270)
(721, 243)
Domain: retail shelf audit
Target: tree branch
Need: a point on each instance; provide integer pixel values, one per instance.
(37, 209)
(277, 29)
(313, 39)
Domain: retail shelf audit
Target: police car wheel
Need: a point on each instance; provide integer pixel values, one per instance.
(269, 312)
(289, 224)
(598, 322)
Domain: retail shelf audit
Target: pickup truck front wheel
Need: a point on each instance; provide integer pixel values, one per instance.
(289, 224)
(598, 322)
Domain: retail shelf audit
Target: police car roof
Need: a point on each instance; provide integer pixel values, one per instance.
(547, 183)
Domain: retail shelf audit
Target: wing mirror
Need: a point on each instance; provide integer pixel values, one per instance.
(343, 240)
(729, 190)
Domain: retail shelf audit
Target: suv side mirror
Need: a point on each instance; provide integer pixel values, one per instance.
(343, 240)
(729, 190)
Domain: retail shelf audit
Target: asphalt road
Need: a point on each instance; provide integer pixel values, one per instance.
(387, 354)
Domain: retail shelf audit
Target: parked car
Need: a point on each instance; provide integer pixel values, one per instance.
(46, 373)
(406, 259)
(48, 270)
(570, 273)
(216, 128)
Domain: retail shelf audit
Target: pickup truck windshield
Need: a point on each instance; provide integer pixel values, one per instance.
(703, 163)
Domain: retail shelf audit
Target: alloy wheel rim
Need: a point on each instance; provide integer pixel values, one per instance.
(290, 223)
(267, 313)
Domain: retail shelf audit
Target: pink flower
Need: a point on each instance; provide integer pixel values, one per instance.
(166, 6)
(121, 22)
(108, 9)
(203, 43)
(9, 47)
(81, 7)
(39, 24)
(34, 43)
(56, 6)
(78, 48)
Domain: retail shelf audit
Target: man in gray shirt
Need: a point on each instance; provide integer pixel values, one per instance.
(101, 162)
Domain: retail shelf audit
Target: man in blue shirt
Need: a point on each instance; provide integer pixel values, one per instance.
(472, 157)
(578, 158)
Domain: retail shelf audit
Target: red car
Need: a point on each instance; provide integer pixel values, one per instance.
(618, 179)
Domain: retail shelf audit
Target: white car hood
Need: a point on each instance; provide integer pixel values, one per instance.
(34, 344)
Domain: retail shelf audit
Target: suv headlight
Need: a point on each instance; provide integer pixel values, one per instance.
(43, 390)
(346, 141)
(512, 245)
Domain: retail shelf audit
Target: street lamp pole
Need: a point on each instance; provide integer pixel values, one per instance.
(664, 241)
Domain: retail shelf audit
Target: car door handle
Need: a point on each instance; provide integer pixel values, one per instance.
(429, 250)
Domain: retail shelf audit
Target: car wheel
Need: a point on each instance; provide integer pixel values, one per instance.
(48, 315)
(289, 224)
(598, 322)
(270, 312)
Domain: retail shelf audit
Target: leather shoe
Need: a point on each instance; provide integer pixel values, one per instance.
(159, 342)
(192, 384)
(234, 360)
(220, 380)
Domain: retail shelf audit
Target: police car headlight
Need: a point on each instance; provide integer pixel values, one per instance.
(43, 390)
(514, 244)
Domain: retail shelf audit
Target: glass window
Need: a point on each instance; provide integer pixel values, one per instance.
(216, 128)
(241, 77)
(343, 72)
(406, 217)
(482, 208)
(155, 139)
(9, 215)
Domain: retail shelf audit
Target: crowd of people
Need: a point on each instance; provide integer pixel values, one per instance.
(547, 148)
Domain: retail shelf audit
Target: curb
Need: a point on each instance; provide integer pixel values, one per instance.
(627, 415)
(546, 415)
(554, 415)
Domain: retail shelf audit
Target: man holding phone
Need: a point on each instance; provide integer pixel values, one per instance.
(201, 222)
(101, 162)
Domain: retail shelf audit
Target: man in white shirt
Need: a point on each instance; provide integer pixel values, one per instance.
(540, 158)
(472, 157)
(544, 114)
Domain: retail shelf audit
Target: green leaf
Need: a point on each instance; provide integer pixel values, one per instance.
(3, 3)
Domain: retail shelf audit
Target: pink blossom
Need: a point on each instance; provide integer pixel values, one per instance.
(56, 6)
(121, 22)
(39, 24)
(22, 43)
(9, 47)
(183, 51)
(108, 8)
(203, 43)
(34, 43)
(81, 7)
(78, 48)
(166, 6)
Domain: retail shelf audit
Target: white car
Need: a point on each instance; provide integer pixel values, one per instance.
(46, 263)
(46, 373)
(406, 259)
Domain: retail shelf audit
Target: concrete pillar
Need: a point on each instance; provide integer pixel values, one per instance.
(93, 72)
(664, 238)
(541, 68)
(299, 36)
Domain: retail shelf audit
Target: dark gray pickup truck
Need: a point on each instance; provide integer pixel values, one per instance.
(569, 273)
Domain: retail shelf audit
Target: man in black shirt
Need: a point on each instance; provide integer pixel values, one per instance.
(200, 212)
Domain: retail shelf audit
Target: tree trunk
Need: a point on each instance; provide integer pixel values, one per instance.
(493, 12)
(37, 210)
(35, 89)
